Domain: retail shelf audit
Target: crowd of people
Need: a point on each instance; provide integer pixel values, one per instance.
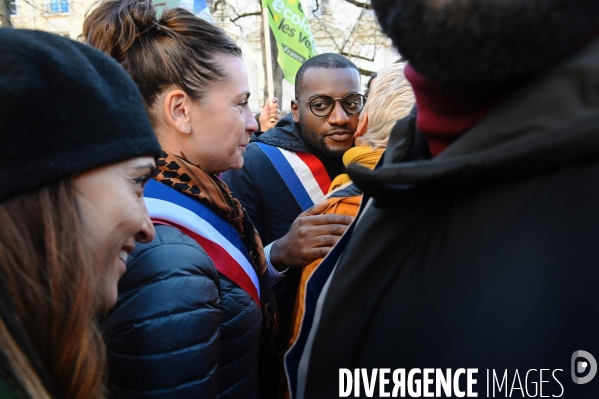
(159, 240)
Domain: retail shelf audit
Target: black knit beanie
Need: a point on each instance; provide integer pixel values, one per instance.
(65, 107)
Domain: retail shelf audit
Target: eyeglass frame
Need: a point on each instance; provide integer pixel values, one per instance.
(309, 101)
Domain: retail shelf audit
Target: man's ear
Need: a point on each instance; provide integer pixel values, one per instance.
(295, 111)
(362, 126)
(177, 110)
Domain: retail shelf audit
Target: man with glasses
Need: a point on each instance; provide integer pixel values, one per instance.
(288, 170)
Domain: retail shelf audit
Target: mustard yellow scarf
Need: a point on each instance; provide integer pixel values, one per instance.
(362, 155)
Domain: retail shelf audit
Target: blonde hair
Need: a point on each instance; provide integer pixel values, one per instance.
(390, 99)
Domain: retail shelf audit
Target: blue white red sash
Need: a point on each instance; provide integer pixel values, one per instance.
(297, 358)
(303, 173)
(217, 237)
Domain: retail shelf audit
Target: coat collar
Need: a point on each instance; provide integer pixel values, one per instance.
(287, 135)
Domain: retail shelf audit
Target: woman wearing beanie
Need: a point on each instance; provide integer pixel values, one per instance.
(193, 301)
(391, 99)
(77, 149)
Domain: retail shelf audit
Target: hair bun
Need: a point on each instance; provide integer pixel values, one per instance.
(176, 50)
(143, 15)
(116, 25)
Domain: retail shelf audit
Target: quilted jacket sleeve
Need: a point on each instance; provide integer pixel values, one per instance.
(163, 333)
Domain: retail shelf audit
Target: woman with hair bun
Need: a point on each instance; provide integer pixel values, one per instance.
(192, 302)
(77, 149)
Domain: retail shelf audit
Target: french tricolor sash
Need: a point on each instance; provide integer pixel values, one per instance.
(303, 173)
(298, 356)
(216, 236)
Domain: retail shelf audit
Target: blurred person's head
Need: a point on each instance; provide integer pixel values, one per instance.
(370, 83)
(77, 146)
(327, 103)
(391, 99)
(190, 75)
(372, 80)
(476, 43)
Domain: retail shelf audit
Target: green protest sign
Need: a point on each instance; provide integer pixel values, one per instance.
(292, 32)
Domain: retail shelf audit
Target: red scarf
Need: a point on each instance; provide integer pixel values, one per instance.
(445, 113)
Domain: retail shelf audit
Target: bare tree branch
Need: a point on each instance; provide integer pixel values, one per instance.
(247, 14)
(323, 25)
(352, 55)
(215, 5)
(352, 31)
(357, 3)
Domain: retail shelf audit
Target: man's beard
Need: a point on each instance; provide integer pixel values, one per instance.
(474, 43)
(317, 142)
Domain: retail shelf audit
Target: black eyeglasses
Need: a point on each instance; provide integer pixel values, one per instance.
(321, 106)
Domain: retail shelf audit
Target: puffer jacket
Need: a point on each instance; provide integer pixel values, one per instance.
(179, 329)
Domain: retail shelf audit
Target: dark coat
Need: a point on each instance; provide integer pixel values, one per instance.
(486, 256)
(272, 208)
(179, 329)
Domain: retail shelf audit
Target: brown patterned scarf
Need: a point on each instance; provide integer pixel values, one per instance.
(187, 178)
